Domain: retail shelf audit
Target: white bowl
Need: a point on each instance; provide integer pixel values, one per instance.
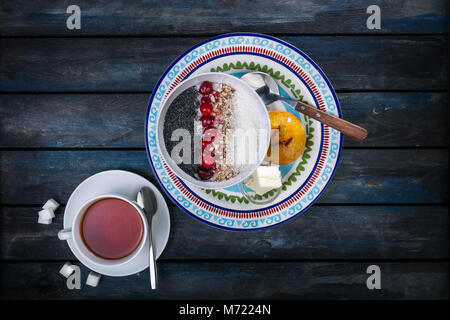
(262, 123)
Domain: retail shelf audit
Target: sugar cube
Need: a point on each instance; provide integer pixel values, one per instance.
(44, 221)
(46, 214)
(51, 204)
(93, 279)
(67, 269)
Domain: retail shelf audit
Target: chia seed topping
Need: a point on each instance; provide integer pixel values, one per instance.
(181, 114)
(210, 104)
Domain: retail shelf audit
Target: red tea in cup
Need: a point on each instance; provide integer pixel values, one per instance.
(112, 228)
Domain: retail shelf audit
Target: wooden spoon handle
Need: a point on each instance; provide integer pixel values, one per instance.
(347, 128)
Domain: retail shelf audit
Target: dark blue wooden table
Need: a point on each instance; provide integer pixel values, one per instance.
(73, 102)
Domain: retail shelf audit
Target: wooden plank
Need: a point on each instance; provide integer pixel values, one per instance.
(121, 17)
(362, 176)
(324, 232)
(73, 120)
(135, 64)
(415, 119)
(269, 280)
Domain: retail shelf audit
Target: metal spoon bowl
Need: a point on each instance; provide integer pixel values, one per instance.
(264, 84)
(267, 89)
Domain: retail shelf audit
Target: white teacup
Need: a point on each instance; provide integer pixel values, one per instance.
(74, 233)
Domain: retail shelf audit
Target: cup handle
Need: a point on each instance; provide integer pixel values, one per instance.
(65, 234)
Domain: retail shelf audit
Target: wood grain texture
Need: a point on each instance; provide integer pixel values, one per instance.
(135, 64)
(119, 17)
(221, 280)
(362, 176)
(117, 120)
(323, 232)
(59, 90)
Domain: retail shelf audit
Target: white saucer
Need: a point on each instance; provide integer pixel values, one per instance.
(127, 184)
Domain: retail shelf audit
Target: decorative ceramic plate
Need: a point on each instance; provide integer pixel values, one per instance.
(298, 77)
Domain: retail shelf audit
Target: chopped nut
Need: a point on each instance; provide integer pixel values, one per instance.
(223, 105)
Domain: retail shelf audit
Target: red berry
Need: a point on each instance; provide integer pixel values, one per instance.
(216, 94)
(205, 100)
(208, 161)
(206, 109)
(205, 144)
(205, 88)
(207, 121)
(205, 174)
(209, 150)
(209, 134)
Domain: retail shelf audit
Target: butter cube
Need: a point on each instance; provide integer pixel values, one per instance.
(264, 179)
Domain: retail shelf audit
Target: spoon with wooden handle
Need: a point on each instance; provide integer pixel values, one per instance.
(266, 87)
